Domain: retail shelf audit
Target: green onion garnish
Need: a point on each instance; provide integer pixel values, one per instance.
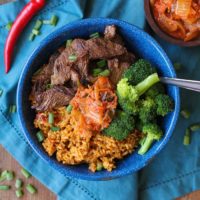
(4, 187)
(99, 166)
(186, 139)
(19, 193)
(25, 173)
(31, 37)
(69, 108)
(10, 176)
(3, 175)
(35, 32)
(177, 66)
(37, 72)
(40, 136)
(185, 113)
(9, 26)
(72, 57)
(31, 189)
(69, 42)
(18, 183)
(94, 35)
(49, 86)
(38, 25)
(195, 127)
(106, 72)
(46, 21)
(96, 71)
(1, 92)
(101, 63)
(54, 128)
(54, 20)
(51, 118)
(12, 109)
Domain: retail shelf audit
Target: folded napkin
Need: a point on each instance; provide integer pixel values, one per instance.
(174, 172)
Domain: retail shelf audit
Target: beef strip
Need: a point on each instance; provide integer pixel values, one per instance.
(111, 34)
(118, 65)
(54, 97)
(100, 48)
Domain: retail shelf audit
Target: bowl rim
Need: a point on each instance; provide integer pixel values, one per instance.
(153, 24)
(55, 164)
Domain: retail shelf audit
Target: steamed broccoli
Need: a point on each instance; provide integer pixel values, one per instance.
(138, 71)
(121, 126)
(153, 132)
(164, 104)
(155, 90)
(128, 95)
(147, 111)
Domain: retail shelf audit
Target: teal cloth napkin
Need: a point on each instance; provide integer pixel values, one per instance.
(174, 172)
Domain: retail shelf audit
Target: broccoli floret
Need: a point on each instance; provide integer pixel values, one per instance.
(121, 126)
(128, 95)
(155, 90)
(138, 71)
(164, 104)
(153, 132)
(147, 112)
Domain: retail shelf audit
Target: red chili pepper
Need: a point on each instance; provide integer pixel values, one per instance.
(19, 24)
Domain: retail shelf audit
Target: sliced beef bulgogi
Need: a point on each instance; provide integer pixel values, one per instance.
(55, 97)
(61, 70)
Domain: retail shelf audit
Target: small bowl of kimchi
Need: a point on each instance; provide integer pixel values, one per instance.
(176, 21)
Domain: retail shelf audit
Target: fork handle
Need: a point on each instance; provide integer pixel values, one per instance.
(182, 83)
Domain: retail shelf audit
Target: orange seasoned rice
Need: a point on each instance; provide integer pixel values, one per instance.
(73, 147)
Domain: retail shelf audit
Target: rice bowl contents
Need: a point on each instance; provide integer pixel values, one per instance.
(93, 101)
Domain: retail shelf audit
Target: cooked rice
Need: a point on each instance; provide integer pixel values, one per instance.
(73, 147)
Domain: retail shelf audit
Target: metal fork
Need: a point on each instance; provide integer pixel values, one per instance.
(182, 83)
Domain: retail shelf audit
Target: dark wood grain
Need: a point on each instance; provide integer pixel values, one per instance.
(8, 163)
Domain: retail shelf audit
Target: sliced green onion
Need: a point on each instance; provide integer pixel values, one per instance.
(12, 109)
(95, 35)
(49, 86)
(106, 72)
(1, 92)
(195, 127)
(25, 173)
(69, 108)
(31, 189)
(3, 175)
(185, 113)
(51, 118)
(72, 57)
(38, 25)
(9, 26)
(35, 32)
(10, 176)
(96, 71)
(19, 193)
(69, 42)
(4, 187)
(177, 66)
(31, 37)
(37, 72)
(40, 136)
(186, 139)
(46, 21)
(101, 63)
(54, 20)
(18, 183)
(54, 128)
(99, 166)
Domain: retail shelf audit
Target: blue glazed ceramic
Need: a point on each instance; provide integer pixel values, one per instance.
(138, 42)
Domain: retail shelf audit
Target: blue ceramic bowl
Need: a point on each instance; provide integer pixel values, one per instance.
(138, 42)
